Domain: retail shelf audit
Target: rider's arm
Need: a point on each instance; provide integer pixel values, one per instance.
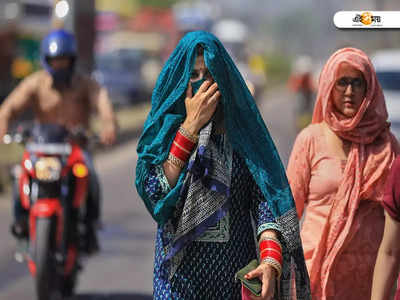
(101, 102)
(18, 100)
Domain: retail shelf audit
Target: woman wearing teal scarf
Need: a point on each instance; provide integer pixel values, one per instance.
(205, 207)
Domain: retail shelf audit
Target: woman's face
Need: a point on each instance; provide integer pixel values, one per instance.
(349, 90)
(200, 70)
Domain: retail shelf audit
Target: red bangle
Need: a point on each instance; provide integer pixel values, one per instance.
(175, 161)
(272, 254)
(278, 260)
(179, 153)
(273, 263)
(193, 137)
(180, 147)
(270, 244)
(269, 250)
(184, 142)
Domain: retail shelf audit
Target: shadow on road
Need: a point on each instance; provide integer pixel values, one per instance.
(114, 296)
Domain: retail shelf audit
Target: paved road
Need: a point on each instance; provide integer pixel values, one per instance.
(123, 270)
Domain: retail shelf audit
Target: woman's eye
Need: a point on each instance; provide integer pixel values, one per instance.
(342, 82)
(357, 82)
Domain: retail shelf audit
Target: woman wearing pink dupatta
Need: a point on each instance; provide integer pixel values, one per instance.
(337, 170)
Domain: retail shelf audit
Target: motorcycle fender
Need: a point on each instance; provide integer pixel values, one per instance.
(46, 208)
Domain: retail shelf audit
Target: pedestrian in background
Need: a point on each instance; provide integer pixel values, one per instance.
(207, 166)
(301, 83)
(337, 170)
(388, 260)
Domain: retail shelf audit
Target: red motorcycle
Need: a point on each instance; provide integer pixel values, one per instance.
(53, 186)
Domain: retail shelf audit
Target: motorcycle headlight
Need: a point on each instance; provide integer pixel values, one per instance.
(48, 169)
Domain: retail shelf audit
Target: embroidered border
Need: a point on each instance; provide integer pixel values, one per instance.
(291, 230)
(165, 187)
(218, 233)
(266, 226)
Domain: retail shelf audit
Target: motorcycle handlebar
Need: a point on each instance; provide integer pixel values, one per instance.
(9, 138)
(22, 135)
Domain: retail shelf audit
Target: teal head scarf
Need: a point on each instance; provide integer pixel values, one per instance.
(246, 132)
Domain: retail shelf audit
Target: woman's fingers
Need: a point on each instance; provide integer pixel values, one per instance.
(253, 274)
(211, 90)
(206, 90)
(202, 105)
(189, 91)
(214, 98)
(267, 289)
(204, 86)
(265, 285)
(210, 100)
(268, 286)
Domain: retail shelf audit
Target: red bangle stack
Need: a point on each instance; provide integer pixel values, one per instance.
(181, 148)
(271, 253)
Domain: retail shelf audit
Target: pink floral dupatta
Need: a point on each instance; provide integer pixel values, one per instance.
(371, 154)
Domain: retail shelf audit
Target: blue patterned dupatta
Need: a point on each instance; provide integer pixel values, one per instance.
(246, 134)
(205, 190)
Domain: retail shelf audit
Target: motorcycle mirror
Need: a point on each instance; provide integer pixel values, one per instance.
(18, 138)
(7, 139)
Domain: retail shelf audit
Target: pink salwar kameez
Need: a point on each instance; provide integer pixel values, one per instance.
(343, 220)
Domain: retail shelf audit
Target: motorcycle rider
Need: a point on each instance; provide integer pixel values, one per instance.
(59, 95)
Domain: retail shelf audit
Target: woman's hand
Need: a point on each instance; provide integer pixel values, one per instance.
(201, 106)
(267, 274)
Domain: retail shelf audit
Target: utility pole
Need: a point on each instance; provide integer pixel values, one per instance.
(78, 17)
(84, 28)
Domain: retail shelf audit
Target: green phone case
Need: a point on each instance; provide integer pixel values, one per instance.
(254, 285)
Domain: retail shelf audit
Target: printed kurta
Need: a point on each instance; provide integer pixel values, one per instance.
(210, 262)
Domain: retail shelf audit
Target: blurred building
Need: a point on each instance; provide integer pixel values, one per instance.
(31, 20)
(133, 39)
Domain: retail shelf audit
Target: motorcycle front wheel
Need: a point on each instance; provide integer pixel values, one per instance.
(45, 268)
